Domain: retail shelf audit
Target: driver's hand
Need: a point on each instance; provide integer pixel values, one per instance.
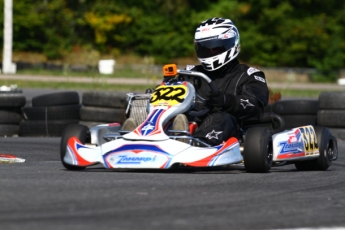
(216, 99)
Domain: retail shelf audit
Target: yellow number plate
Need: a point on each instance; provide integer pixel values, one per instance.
(169, 95)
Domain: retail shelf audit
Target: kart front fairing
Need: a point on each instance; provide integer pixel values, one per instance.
(151, 145)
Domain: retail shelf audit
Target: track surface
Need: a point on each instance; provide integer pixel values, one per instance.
(41, 194)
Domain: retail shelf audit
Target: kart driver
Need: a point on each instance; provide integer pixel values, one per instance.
(242, 90)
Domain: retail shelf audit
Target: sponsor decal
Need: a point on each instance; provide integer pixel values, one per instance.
(230, 34)
(125, 159)
(301, 142)
(252, 70)
(137, 156)
(213, 134)
(259, 78)
(245, 103)
(295, 147)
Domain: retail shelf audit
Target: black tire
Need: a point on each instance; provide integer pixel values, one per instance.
(258, 150)
(64, 112)
(296, 107)
(268, 108)
(328, 150)
(8, 130)
(293, 121)
(44, 128)
(338, 133)
(332, 100)
(82, 133)
(90, 124)
(103, 115)
(12, 100)
(331, 118)
(272, 121)
(10, 116)
(59, 98)
(105, 99)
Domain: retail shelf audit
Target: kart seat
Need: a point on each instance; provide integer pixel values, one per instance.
(269, 119)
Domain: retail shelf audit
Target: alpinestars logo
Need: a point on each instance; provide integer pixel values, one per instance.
(245, 103)
(148, 127)
(213, 134)
(252, 70)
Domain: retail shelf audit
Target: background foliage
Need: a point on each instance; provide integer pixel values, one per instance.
(291, 33)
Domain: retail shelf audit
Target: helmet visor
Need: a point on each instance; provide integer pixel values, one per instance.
(213, 46)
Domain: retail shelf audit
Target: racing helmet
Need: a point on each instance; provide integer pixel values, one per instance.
(216, 42)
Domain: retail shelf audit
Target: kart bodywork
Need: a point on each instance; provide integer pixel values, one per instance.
(153, 145)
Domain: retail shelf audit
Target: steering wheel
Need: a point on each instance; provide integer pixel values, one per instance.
(209, 82)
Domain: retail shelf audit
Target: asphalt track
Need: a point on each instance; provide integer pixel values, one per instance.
(41, 194)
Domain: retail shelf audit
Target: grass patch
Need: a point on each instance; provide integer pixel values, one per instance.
(77, 86)
(309, 93)
(147, 72)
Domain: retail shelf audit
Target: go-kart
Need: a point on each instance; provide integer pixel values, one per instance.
(153, 145)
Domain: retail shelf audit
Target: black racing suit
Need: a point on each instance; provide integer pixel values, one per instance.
(247, 95)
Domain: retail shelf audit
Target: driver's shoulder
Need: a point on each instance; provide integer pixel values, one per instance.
(248, 70)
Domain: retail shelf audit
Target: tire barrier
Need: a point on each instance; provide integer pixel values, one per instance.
(44, 128)
(101, 114)
(104, 99)
(297, 112)
(103, 107)
(59, 98)
(49, 114)
(10, 113)
(63, 112)
(332, 109)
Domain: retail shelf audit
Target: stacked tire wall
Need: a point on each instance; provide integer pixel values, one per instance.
(103, 108)
(50, 114)
(10, 113)
(297, 112)
(332, 113)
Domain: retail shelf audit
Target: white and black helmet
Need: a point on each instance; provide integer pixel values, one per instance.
(217, 42)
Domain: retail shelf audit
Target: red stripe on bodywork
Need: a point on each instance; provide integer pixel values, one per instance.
(204, 162)
(291, 155)
(72, 144)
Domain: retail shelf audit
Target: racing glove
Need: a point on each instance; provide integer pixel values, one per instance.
(221, 100)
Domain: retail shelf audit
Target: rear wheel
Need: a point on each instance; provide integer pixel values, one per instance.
(81, 132)
(328, 152)
(258, 151)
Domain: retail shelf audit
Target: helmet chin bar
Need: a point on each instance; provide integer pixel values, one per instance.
(213, 63)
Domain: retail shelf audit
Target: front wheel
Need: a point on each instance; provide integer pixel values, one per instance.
(328, 149)
(73, 130)
(258, 150)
